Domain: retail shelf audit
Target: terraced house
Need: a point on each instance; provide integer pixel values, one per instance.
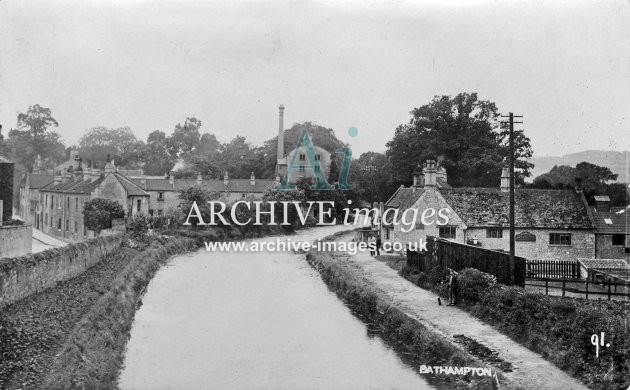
(61, 202)
(550, 224)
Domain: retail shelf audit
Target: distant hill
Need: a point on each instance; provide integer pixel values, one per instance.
(616, 161)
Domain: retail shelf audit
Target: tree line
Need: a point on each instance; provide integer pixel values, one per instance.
(463, 132)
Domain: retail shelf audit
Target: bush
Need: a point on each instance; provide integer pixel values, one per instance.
(472, 284)
(138, 226)
(98, 213)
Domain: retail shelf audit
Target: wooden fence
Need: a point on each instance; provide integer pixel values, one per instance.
(560, 269)
(447, 254)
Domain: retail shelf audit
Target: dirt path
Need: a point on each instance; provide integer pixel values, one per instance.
(529, 368)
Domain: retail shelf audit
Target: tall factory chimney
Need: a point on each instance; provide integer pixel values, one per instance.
(280, 132)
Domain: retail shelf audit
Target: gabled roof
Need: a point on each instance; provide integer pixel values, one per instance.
(131, 188)
(485, 207)
(404, 198)
(615, 221)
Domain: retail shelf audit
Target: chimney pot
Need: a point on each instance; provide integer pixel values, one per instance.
(252, 179)
(430, 174)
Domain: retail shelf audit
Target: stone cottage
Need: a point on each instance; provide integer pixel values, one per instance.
(550, 224)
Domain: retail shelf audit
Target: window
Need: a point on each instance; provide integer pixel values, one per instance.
(619, 239)
(559, 238)
(302, 157)
(243, 196)
(68, 202)
(59, 224)
(46, 219)
(317, 169)
(76, 203)
(160, 211)
(160, 196)
(301, 168)
(494, 233)
(67, 225)
(52, 201)
(318, 157)
(139, 203)
(448, 231)
(76, 227)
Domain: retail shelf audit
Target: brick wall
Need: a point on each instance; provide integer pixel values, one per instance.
(26, 275)
(15, 240)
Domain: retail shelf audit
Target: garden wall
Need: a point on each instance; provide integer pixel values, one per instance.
(29, 274)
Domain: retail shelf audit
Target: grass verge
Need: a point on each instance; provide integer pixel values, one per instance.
(402, 332)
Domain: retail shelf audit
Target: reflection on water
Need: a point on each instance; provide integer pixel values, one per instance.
(254, 321)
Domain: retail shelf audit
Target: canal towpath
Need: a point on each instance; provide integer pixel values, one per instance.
(529, 368)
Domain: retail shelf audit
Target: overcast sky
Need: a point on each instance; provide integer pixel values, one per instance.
(565, 66)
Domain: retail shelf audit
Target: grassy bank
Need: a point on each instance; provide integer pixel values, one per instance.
(559, 328)
(405, 334)
(93, 353)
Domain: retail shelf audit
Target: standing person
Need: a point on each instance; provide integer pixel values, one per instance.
(378, 245)
(452, 287)
(372, 245)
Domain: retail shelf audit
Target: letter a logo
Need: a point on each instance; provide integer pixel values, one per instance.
(313, 163)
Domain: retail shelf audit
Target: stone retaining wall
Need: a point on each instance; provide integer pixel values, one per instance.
(26, 275)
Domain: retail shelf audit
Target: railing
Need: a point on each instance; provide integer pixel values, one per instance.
(607, 288)
(559, 269)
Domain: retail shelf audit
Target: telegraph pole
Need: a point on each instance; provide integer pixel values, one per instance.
(511, 122)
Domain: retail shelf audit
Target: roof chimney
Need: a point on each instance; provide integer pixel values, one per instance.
(171, 178)
(252, 179)
(418, 177)
(602, 203)
(280, 132)
(430, 174)
(143, 180)
(505, 179)
(199, 178)
(441, 174)
(226, 179)
(57, 177)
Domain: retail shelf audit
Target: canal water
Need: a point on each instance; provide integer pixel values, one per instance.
(231, 320)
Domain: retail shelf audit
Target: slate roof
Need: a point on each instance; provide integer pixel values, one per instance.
(615, 221)
(553, 209)
(404, 198)
(85, 186)
(605, 264)
(131, 188)
(39, 180)
(234, 185)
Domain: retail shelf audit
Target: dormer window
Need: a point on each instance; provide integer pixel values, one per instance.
(160, 196)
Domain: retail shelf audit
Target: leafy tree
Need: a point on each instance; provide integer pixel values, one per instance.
(372, 173)
(185, 139)
(138, 226)
(465, 134)
(36, 120)
(120, 144)
(321, 136)
(155, 155)
(196, 194)
(98, 213)
(596, 180)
